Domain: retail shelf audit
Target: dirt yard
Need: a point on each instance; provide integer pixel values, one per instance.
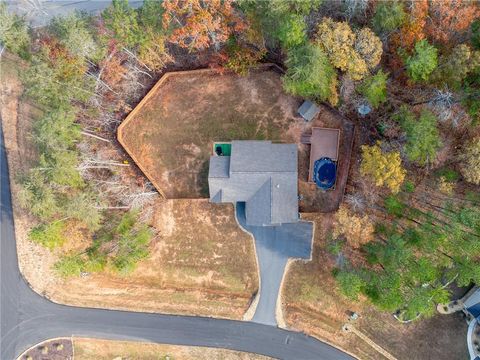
(171, 140)
(171, 134)
(94, 349)
(200, 263)
(312, 303)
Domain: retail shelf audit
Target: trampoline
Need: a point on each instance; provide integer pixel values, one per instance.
(324, 173)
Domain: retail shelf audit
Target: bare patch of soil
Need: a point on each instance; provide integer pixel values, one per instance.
(313, 303)
(94, 349)
(201, 263)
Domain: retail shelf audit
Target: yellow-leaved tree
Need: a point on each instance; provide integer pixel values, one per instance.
(357, 230)
(352, 52)
(384, 167)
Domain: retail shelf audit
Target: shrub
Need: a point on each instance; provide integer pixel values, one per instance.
(49, 235)
(351, 284)
(69, 265)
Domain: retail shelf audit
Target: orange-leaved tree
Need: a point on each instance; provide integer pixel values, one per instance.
(199, 24)
(449, 20)
(413, 29)
(357, 230)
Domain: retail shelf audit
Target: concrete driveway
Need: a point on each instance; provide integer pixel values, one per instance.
(274, 246)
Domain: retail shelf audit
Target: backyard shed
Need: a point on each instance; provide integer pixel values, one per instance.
(308, 110)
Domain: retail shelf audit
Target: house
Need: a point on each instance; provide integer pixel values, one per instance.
(308, 110)
(261, 174)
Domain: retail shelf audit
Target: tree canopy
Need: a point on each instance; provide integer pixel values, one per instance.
(470, 161)
(197, 25)
(310, 74)
(423, 137)
(384, 167)
(374, 88)
(389, 16)
(353, 52)
(13, 32)
(423, 61)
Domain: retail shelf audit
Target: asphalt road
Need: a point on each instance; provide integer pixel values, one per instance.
(27, 318)
(274, 245)
(40, 12)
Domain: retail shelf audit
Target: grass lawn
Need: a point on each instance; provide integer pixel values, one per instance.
(94, 349)
(172, 133)
(312, 303)
(201, 263)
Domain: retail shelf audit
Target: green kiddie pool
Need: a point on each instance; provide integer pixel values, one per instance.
(222, 149)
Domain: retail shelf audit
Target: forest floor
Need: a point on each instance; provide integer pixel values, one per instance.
(313, 303)
(200, 262)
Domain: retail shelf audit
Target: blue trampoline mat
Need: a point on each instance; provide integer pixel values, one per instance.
(324, 173)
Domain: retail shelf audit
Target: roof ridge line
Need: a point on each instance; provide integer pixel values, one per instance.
(271, 199)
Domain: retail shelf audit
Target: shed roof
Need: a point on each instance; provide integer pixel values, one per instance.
(308, 110)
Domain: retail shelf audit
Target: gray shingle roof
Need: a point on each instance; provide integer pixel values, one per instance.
(263, 156)
(261, 174)
(219, 167)
(308, 110)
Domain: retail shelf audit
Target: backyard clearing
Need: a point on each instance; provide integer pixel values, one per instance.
(313, 304)
(200, 262)
(94, 349)
(170, 134)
